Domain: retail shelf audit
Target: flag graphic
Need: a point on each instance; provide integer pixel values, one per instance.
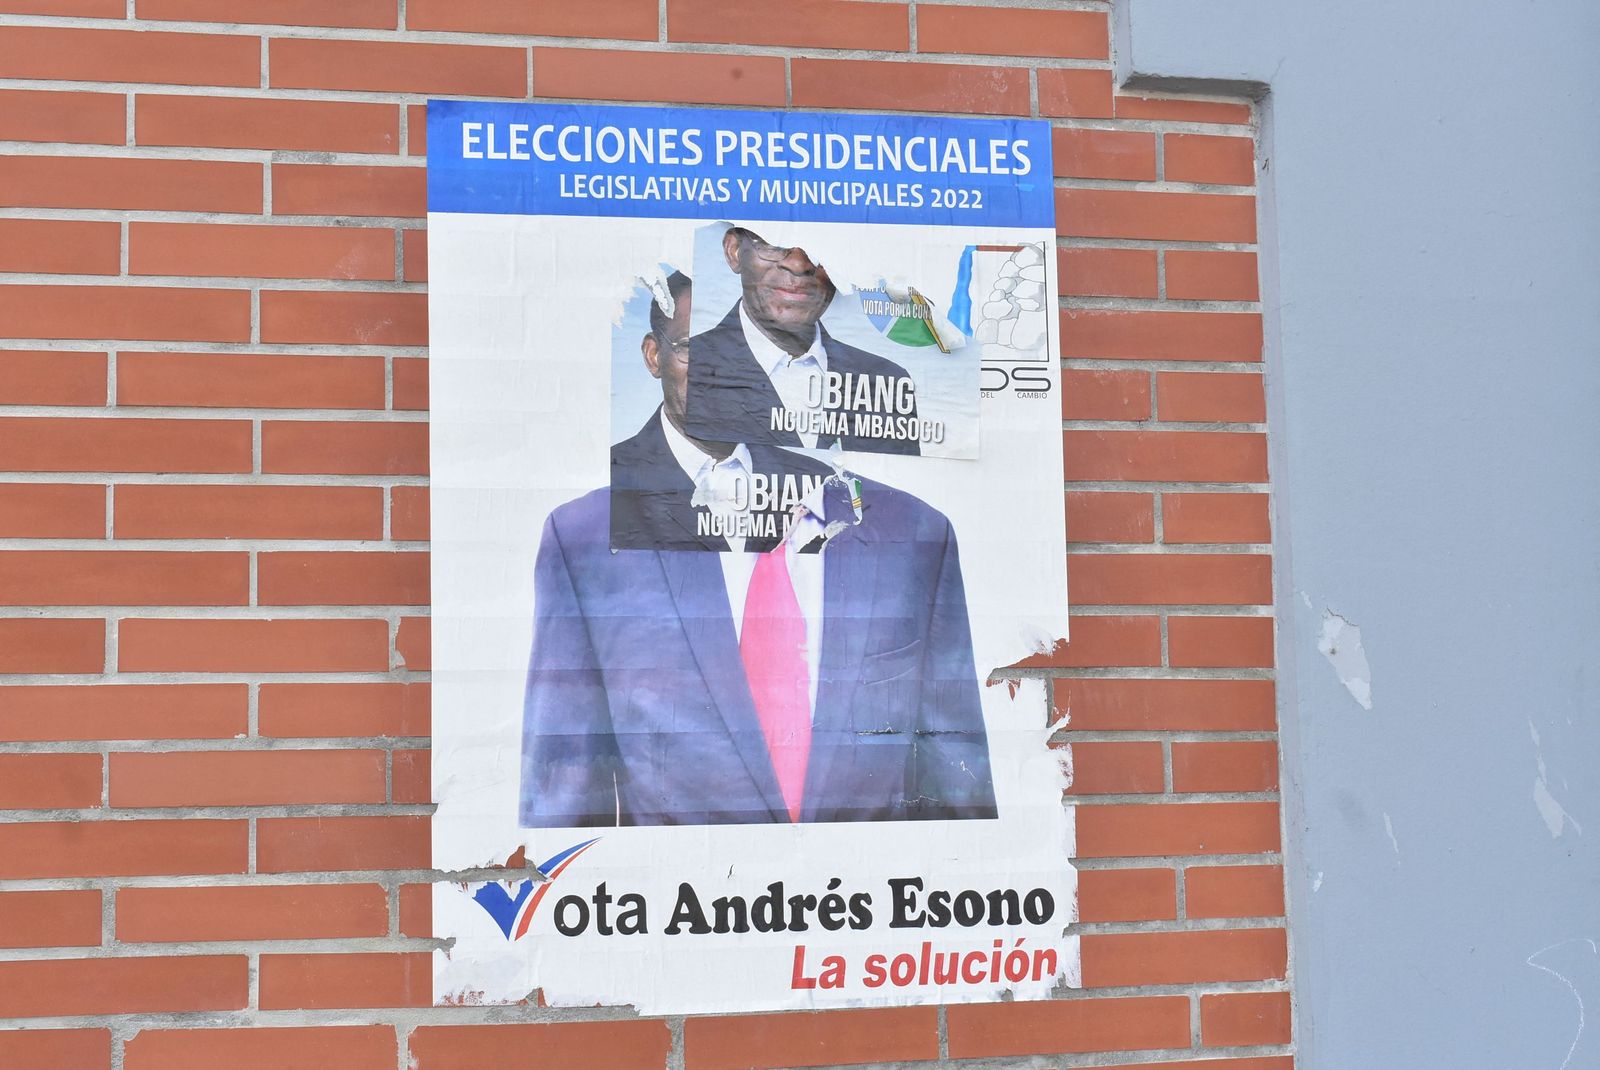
(906, 319)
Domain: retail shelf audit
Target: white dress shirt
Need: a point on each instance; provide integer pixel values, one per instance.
(791, 376)
(805, 570)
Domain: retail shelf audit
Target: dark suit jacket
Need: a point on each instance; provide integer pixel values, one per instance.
(650, 493)
(731, 398)
(637, 709)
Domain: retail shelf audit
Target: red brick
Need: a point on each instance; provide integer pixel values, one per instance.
(825, 1038)
(122, 849)
(1081, 94)
(55, 1049)
(1184, 111)
(1105, 395)
(411, 776)
(408, 513)
(317, 710)
(52, 511)
(49, 781)
(327, 189)
(293, 982)
(855, 83)
(1138, 829)
(166, 645)
(344, 318)
(1123, 213)
(250, 380)
(1111, 959)
(126, 184)
(92, 9)
(39, 443)
(290, 912)
(197, 511)
(1126, 895)
(247, 778)
(680, 77)
(615, 1045)
(143, 313)
(123, 577)
(51, 376)
(414, 247)
(410, 391)
(123, 985)
(1115, 334)
(390, 448)
(355, 14)
(1228, 161)
(800, 24)
(1170, 579)
(1096, 516)
(122, 711)
(1233, 891)
(1116, 768)
(615, 19)
(994, 1030)
(267, 252)
(1234, 765)
(1243, 1019)
(318, 844)
(346, 1047)
(413, 644)
(1000, 31)
(80, 118)
(416, 910)
(49, 919)
(1211, 397)
(1167, 705)
(60, 246)
(1104, 641)
(1108, 272)
(36, 645)
(1166, 456)
(1113, 154)
(396, 67)
(1211, 275)
(129, 56)
(1220, 642)
(357, 578)
(260, 123)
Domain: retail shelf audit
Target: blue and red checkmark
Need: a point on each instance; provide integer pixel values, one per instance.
(515, 912)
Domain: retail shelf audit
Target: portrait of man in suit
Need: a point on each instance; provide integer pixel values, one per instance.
(745, 677)
(769, 361)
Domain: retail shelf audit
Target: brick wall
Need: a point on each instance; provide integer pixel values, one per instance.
(213, 527)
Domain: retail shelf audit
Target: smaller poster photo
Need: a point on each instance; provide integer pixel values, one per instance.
(817, 336)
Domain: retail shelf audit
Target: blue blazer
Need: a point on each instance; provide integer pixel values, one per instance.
(637, 709)
(731, 398)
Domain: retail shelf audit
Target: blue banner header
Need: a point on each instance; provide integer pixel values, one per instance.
(702, 163)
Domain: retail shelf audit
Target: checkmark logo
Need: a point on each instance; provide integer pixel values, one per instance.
(513, 911)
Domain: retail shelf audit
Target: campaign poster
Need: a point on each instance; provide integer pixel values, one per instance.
(746, 478)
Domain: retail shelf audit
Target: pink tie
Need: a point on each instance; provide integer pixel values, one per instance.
(772, 643)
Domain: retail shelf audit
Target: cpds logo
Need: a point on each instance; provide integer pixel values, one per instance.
(513, 913)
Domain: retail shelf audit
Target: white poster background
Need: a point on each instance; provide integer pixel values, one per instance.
(521, 317)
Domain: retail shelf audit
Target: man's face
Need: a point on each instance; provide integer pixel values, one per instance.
(666, 354)
(784, 289)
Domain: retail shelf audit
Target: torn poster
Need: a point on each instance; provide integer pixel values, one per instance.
(746, 474)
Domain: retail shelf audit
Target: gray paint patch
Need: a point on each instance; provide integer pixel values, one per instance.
(1341, 645)
(1555, 815)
